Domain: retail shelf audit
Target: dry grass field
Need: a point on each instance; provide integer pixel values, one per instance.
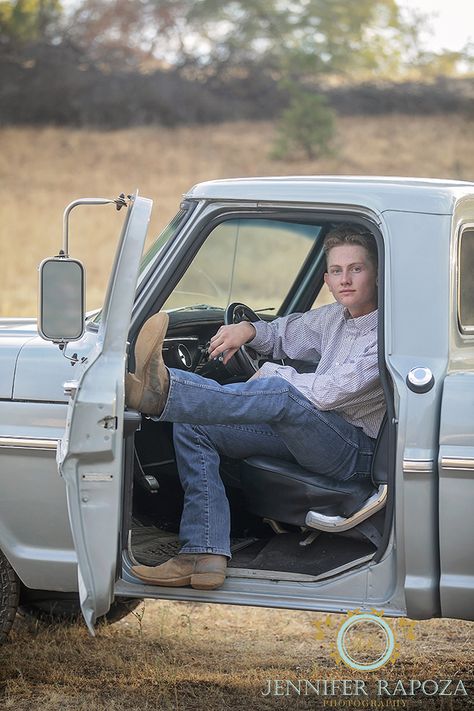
(198, 657)
(42, 170)
(179, 656)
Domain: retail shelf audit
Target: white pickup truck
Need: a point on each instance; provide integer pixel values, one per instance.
(88, 488)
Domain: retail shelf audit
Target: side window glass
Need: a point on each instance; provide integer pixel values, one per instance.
(465, 281)
(254, 261)
(324, 297)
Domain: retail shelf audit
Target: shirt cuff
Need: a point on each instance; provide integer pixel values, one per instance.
(263, 341)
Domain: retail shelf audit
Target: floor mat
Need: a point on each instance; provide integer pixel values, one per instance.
(152, 546)
(284, 552)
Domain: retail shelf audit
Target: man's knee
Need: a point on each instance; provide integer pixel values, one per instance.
(185, 434)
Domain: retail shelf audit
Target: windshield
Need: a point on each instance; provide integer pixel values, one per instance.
(159, 242)
(250, 260)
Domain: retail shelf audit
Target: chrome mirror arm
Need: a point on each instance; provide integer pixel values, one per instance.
(118, 202)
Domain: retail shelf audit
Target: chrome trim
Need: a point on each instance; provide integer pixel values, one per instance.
(28, 443)
(456, 463)
(180, 340)
(420, 376)
(417, 466)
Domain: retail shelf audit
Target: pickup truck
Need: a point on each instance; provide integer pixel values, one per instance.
(89, 487)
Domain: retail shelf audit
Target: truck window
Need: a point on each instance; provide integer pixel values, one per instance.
(465, 282)
(251, 260)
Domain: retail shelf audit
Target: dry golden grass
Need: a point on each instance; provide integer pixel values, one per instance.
(41, 170)
(191, 657)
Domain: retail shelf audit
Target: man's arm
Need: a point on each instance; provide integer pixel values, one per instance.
(296, 336)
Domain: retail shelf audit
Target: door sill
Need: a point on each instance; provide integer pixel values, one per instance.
(295, 577)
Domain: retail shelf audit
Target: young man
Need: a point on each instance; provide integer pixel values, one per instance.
(326, 420)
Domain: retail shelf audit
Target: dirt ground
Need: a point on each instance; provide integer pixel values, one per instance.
(177, 656)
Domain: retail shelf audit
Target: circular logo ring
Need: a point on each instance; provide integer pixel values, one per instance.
(341, 642)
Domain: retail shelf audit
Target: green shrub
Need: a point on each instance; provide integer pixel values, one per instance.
(306, 126)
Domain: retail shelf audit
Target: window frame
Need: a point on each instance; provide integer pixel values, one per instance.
(464, 330)
(299, 282)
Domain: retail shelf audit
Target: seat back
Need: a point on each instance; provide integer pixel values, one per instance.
(284, 491)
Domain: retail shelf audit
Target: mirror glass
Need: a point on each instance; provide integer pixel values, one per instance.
(61, 307)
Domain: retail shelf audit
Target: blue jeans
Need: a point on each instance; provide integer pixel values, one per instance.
(263, 416)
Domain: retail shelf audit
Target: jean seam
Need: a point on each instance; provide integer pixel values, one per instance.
(206, 485)
(248, 428)
(252, 393)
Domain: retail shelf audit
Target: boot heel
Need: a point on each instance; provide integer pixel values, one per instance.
(207, 581)
(133, 391)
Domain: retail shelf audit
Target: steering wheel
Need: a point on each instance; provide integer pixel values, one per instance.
(245, 360)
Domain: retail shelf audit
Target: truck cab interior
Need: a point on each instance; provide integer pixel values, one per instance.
(286, 522)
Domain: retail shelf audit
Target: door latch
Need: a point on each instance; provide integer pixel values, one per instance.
(108, 423)
(70, 388)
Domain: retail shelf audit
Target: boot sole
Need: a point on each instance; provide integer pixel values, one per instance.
(207, 581)
(198, 581)
(180, 582)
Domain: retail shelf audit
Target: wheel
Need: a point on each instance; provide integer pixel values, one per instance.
(9, 596)
(52, 607)
(245, 360)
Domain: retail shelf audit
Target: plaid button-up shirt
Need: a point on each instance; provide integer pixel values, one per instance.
(346, 379)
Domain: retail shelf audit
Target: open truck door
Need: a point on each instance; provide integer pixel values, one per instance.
(90, 454)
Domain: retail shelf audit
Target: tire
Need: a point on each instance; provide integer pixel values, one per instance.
(9, 596)
(54, 608)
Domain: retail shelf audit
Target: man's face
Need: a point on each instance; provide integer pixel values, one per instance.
(351, 278)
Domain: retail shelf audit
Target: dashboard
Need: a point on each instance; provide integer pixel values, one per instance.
(187, 339)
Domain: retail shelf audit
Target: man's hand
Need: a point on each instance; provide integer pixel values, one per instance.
(228, 340)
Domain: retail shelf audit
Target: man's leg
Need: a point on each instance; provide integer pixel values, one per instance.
(322, 442)
(205, 522)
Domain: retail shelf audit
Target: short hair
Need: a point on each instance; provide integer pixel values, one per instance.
(351, 234)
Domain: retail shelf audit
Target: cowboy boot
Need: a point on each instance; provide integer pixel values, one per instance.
(203, 571)
(147, 389)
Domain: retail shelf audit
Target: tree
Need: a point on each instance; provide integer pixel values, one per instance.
(307, 126)
(25, 20)
(129, 32)
(215, 37)
(300, 37)
(420, 62)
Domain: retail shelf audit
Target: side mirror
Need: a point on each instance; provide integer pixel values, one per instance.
(61, 299)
